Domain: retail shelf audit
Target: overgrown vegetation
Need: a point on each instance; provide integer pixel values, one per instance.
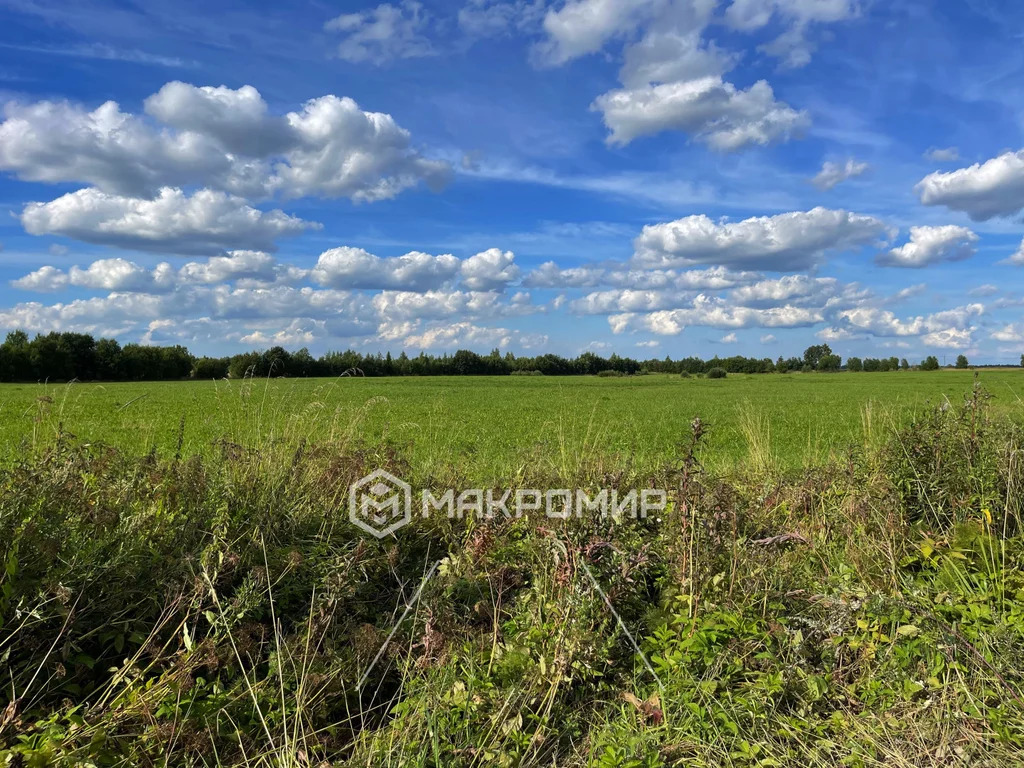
(222, 610)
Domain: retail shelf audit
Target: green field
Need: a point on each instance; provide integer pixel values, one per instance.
(841, 583)
(490, 426)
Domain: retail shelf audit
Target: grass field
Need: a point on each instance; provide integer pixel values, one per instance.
(837, 578)
(489, 426)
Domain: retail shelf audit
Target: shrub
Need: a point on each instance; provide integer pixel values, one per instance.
(526, 373)
(717, 373)
(609, 373)
(684, 375)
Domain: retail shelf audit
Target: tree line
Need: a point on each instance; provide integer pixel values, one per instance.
(65, 356)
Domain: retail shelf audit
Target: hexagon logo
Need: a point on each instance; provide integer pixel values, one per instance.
(380, 503)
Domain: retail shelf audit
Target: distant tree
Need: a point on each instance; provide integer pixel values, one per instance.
(210, 368)
(108, 360)
(961, 361)
(813, 354)
(904, 364)
(830, 363)
(854, 364)
(930, 363)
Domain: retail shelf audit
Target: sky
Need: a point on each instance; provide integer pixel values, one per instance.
(644, 177)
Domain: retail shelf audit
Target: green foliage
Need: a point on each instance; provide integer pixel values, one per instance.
(930, 363)
(222, 610)
(717, 373)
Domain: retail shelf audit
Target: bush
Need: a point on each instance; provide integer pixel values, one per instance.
(526, 373)
(717, 373)
(609, 373)
(684, 375)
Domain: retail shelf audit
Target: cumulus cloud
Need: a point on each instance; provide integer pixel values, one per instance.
(715, 312)
(466, 335)
(245, 268)
(768, 338)
(931, 245)
(949, 338)
(729, 338)
(1010, 334)
(710, 109)
(982, 191)
(783, 243)
(550, 275)
(173, 222)
(883, 322)
(489, 270)
(219, 138)
(832, 174)
(347, 267)
(383, 34)
(672, 79)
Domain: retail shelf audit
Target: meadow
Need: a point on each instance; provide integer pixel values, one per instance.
(837, 578)
(490, 426)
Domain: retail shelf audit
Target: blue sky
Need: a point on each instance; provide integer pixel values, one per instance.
(650, 177)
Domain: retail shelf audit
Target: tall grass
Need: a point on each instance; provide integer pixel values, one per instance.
(222, 610)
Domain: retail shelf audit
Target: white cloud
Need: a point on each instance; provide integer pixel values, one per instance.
(218, 138)
(347, 267)
(248, 269)
(1017, 258)
(237, 265)
(469, 336)
(882, 322)
(651, 344)
(715, 312)
(931, 245)
(118, 275)
(950, 338)
(550, 275)
(710, 109)
(345, 152)
(787, 289)
(982, 191)
(1010, 334)
(488, 270)
(942, 155)
(832, 173)
(729, 338)
(207, 221)
(237, 120)
(984, 290)
(383, 34)
(768, 338)
(782, 243)
(46, 279)
(581, 27)
(671, 79)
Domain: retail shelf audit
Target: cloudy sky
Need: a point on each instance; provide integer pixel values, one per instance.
(651, 177)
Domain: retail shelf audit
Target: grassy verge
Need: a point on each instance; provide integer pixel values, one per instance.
(222, 610)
